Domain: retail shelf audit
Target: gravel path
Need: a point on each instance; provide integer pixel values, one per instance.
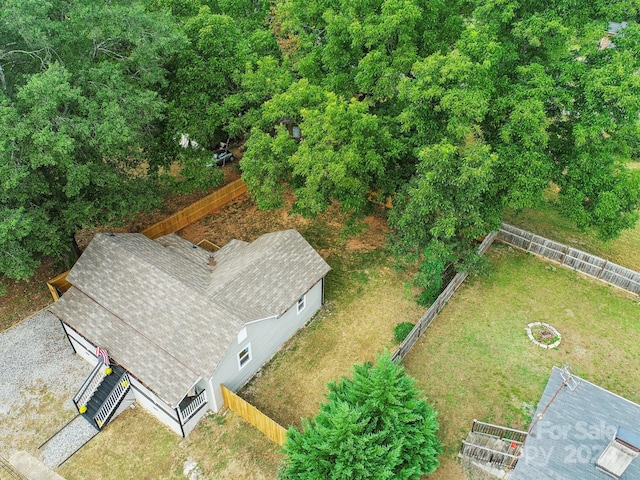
(67, 442)
(39, 374)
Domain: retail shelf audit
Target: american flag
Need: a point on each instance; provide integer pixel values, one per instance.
(103, 354)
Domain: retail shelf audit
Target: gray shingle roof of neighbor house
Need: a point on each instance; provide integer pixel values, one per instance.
(567, 441)
(167, 313)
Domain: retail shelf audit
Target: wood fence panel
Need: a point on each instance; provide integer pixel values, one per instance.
(578, 260)
(435, 308)
(197, 210)
(58, 284)
(514, 236)
(255, 417)
(547, 248)
(622, 277)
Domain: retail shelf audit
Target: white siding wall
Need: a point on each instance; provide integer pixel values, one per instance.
(266, 337)
(82, 346)
(147, 399)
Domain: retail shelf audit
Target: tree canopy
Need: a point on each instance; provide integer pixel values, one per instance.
(456, 109)
(479, 106)
(373, 426)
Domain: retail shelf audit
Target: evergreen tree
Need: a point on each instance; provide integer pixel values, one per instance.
(373, 426)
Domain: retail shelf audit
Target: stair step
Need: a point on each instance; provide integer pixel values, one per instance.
(102, 392)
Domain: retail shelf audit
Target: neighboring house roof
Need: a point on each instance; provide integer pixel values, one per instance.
(574, 430)
(167, 313)
(615, 27)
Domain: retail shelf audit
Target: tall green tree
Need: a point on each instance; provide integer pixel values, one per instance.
(80, 111)
(374, 425)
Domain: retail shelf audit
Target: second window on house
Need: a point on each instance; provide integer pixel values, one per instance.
(301, 303)
(244, 356)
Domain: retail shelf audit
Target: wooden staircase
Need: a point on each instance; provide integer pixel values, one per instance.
(493, 445)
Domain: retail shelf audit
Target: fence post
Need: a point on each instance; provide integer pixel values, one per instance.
(606, 264)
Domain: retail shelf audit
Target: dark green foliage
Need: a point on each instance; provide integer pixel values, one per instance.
(79, 109)
(401, 330)
(373, 426)
(457, 109)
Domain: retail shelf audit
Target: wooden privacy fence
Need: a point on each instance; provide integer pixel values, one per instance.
(583, 262)
(424, 322)
(175, 222)
(255, 417)
(197, 210)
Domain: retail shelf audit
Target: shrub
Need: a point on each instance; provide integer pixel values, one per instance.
(401, 330)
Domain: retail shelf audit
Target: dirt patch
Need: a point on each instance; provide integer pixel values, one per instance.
(241, 219)
(171, 205)
(24, 298)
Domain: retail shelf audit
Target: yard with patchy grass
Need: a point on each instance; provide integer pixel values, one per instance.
(137, 446)
(475, 361)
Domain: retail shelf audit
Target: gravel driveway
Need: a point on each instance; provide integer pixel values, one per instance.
(39, 374)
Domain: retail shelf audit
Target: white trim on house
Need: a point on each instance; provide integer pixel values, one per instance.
(261, 320)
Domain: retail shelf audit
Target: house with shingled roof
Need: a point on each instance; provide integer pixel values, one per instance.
(579, 431)
(179, 321)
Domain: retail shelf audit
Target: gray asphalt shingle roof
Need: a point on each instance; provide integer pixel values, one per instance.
(567, 441)
(153, 303)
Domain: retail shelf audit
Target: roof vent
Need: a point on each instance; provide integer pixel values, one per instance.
(623, 448)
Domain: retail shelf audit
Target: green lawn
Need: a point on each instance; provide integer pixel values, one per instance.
(475, 361)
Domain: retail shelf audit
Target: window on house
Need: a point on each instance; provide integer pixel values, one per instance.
(244, 356)
(302, 303)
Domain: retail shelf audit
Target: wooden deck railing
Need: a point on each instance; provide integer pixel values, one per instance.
(486, 454)
(255, 417)
(498, 431)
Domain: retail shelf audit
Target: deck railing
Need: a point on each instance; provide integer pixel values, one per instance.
(190, 410)
(499, 431)
(90, 385)
(113, 400)
(486, 454)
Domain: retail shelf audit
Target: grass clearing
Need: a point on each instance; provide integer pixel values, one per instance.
(475, 361)
(354, 327)
(137, 446)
